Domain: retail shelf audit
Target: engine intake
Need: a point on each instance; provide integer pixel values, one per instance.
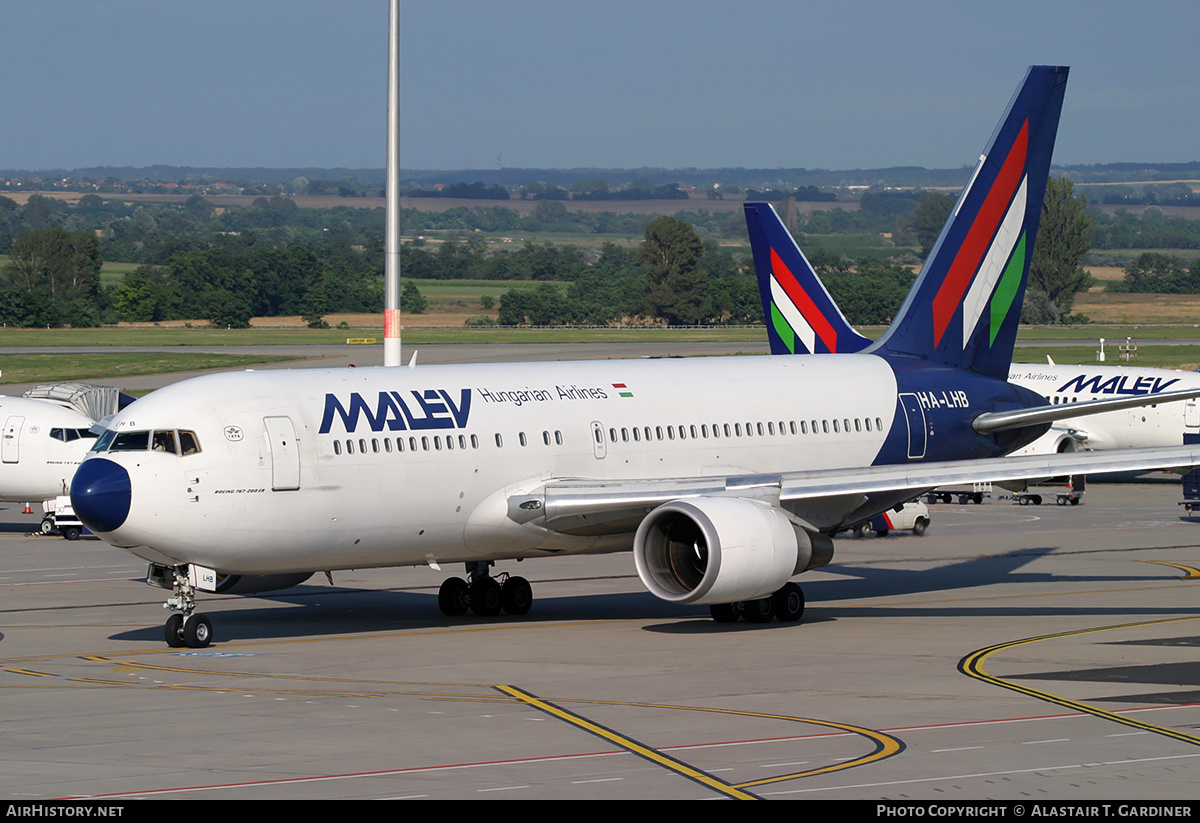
(722, 550)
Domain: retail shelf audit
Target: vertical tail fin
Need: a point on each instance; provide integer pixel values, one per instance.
(800, 313)
(964, 308)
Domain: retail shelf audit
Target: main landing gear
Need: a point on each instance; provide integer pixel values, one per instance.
(185, 627)
(786, 605)
(485, 595)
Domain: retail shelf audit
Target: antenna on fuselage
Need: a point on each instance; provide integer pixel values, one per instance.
(391, 247)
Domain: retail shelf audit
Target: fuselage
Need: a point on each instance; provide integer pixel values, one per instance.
(1144, 427)
(303, 470)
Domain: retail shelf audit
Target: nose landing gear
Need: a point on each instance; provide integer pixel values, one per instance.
(185, 627)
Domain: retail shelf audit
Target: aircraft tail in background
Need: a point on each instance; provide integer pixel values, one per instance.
(801, 316)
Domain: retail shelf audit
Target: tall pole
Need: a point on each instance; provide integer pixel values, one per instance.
(391, 252)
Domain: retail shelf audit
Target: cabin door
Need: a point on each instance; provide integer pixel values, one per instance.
(915, 416)
(285, 453)
(599, 444)
(10, 446)
(1191, 413)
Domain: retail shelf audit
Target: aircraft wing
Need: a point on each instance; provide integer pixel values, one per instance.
(1018, 418)
(822, 497)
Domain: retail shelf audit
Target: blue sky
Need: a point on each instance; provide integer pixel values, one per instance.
(562, 83)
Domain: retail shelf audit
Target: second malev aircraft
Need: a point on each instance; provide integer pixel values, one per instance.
(726, 475)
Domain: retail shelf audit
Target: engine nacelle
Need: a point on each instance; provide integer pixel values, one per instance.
(722, 550)
(1055, 441)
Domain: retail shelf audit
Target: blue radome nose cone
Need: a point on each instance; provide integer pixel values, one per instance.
(100, 494)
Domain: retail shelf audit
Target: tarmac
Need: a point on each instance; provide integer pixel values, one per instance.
(1044, 653)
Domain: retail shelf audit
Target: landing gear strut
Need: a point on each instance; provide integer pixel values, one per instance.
(485, 595)
(185, 628)
(786, 605)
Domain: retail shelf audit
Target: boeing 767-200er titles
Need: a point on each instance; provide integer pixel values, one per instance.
(725, 475)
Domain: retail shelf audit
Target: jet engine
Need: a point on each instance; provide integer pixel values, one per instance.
(708, 550)
(1055, 441)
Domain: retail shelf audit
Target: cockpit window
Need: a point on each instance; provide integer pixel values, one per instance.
(105, 439)
(68, 435)
(167, 441)
(130, 442)
(188, 444)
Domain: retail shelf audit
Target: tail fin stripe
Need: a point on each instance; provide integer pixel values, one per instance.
(1006, 292)
(783, 330)
(993, 262)
(814, 318)
(782, 309)
(979, 236)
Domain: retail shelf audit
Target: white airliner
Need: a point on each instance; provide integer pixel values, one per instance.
(725, 475)
(1140, 427)
(42, 445)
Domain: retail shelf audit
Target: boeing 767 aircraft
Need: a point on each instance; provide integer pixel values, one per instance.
(725, 476)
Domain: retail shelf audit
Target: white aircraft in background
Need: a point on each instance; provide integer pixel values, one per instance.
(41, 446)
(725, 475)
(1141, 427)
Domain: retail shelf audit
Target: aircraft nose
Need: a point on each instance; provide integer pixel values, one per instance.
(100, 494)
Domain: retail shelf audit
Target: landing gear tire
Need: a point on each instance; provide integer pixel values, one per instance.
(516, 596)
(724, 612)
(759, 611)
(197, 631)
(454, 597)
(485, 597)
(789, 603)
(173, 631)
(862, 529)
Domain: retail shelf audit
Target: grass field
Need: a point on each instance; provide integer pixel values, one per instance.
(52, 368)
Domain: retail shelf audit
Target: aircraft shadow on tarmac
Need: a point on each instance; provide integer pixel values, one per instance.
(331, 611)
